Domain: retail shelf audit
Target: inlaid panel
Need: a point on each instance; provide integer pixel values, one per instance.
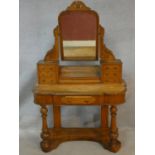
(47, 73)
(112, 73)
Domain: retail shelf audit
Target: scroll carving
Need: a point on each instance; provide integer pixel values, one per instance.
(53, 54)
(78, 5)
(105, 53)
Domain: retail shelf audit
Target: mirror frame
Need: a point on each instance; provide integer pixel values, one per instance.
(61, 39)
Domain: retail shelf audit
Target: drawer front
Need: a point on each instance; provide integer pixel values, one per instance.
(47, 73)
(79, 100)
(43, 99)
(112, 73)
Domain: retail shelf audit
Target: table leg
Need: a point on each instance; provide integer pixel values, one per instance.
(56, 120)
(105, 125)
(114, 143)
(57, 116)
(104, 116)
(45, 145)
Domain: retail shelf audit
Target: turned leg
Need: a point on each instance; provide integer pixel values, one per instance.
(45, 145)
(105, 125)
(114, 143)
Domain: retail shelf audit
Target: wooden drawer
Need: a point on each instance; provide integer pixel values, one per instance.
(112, 72)
(43, 99)
(47, 73)
(79, 100)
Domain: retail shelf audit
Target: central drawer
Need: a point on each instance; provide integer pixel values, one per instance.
(79, 100)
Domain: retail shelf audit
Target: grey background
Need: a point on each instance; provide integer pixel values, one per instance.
(37, 21)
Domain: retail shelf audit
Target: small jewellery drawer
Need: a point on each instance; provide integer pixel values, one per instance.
(43, 99)
(78, 100)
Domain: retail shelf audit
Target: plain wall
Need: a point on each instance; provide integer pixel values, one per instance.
(37, 21)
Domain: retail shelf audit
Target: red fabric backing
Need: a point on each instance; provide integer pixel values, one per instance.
(78, 25)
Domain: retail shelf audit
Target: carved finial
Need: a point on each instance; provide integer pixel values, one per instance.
(78, 5)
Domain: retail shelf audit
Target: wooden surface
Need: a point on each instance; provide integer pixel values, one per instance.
(100, 85)
(83, 89)
(80, 71)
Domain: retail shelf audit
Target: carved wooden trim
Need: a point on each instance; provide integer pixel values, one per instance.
(105, 53)
(53, 54)
(78, 5)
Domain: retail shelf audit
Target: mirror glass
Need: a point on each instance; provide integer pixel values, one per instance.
(82, 50)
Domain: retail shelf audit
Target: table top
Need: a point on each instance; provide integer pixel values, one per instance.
(80, 89)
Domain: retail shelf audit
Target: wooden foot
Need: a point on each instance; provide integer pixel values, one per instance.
(50, 145)
(114, 146)
(45, 146)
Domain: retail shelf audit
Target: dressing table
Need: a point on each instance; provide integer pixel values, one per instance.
(79, 38)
